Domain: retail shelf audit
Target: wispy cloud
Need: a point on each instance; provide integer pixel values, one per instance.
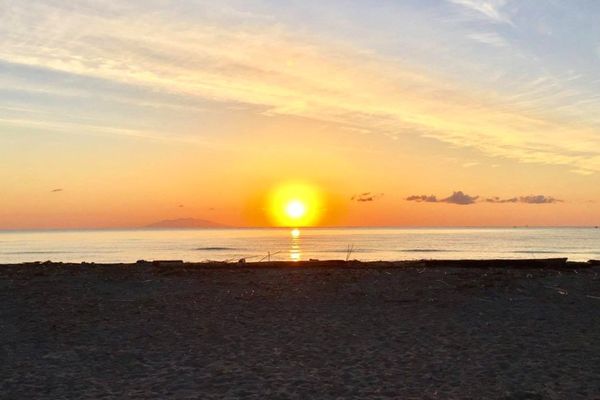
(488, 9)
(489, 38)
(287, 73)
(83, 129)
(56, 190)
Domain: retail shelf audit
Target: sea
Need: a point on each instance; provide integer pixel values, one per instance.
(365, 244)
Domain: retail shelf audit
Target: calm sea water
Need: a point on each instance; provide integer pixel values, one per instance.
(255, 244)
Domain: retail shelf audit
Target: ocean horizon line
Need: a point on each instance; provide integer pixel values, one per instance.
(332, 227)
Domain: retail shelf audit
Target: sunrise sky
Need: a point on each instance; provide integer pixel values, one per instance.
(399, 113)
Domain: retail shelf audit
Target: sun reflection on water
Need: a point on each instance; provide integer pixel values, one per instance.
(295, 253)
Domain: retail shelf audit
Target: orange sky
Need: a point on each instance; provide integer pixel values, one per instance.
(201, 112)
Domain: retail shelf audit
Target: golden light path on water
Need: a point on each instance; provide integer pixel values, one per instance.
(295, 252)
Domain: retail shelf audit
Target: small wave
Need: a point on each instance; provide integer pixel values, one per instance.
(38, 252)
(537, 251)
(428, 251)
(344, 251)
(215, 248)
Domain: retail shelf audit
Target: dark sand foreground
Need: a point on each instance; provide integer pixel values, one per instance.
(299, 331)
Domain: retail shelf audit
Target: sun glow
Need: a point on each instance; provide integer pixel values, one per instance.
(295, 209)
(295, 205)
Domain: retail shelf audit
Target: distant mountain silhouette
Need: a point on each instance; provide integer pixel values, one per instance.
(185, 223)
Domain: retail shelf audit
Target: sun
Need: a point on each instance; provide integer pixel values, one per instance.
(295, 209)
(295, 205)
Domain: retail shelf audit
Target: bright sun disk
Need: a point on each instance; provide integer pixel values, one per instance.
(295, 209)
(295, 205)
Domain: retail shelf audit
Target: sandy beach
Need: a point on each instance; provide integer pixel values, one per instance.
(300, 330)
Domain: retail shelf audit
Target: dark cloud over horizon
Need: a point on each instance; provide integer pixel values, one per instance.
(539, 199)
(458, 197)
(498, 200)
(533, 199)
(422, 198)
(366, 196)
(461, 198)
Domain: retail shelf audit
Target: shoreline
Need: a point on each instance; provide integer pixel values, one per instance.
(540, 263)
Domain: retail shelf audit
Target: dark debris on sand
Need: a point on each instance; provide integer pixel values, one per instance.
(324, 330)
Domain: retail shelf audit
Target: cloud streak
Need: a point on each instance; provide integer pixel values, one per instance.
(489, 38)
(488, 9)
